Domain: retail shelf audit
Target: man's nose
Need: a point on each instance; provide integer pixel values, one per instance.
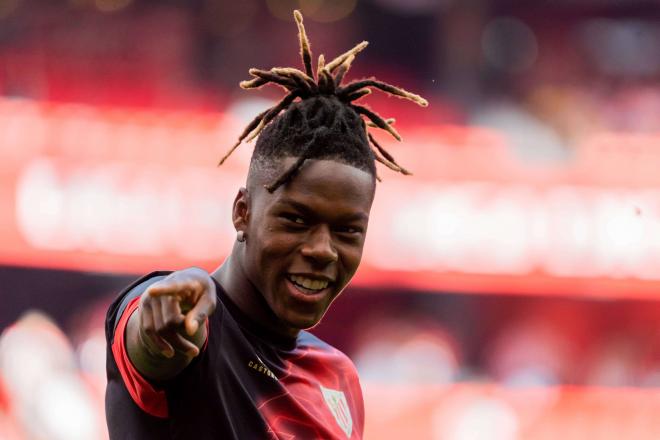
(319, 246)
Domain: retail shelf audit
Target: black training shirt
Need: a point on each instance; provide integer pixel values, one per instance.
(245, 384)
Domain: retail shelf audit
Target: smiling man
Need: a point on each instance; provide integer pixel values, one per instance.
(226, 355)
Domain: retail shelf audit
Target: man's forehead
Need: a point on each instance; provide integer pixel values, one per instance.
(317, 181)
(264, 171)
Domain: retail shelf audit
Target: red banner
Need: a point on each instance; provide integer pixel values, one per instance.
(130, 191)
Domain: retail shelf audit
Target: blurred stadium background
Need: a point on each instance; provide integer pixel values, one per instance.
(509, 290)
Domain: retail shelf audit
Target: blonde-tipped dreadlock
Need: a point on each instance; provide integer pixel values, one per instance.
(320, 113)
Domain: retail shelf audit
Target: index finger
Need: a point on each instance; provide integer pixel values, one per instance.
(177, 288)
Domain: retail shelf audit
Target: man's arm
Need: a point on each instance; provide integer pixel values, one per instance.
(168, 329)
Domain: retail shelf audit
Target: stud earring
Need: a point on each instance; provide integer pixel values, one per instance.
(240, 236)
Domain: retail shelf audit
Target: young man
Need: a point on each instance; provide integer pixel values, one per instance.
(226, 355)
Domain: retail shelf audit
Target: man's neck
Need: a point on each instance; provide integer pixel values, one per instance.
(231, 276)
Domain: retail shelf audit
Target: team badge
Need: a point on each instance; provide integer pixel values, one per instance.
(336, 401)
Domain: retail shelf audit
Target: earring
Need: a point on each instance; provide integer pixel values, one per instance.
(240, 236)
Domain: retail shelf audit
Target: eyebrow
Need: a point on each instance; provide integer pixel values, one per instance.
(357, 216)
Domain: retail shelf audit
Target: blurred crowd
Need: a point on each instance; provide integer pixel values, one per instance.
(51, 388)
(547, 74)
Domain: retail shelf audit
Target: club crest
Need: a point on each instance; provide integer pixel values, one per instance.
(336, 401)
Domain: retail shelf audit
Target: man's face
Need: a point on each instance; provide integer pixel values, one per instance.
(304, 241)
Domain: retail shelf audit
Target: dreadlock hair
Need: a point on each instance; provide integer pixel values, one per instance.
(320, 118)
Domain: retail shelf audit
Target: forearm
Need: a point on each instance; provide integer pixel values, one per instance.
(147, 358)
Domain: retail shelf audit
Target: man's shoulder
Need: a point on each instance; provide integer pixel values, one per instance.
(311, 342)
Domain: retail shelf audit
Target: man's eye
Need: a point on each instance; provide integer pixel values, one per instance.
(349, 230)
(294, 219)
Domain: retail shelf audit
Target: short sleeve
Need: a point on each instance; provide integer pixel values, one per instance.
(143, 393)
(121, 372)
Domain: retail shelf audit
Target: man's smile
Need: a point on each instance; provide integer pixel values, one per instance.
(310, 283)
(308, 290)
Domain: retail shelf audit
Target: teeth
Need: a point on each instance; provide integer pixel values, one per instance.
(309, 283)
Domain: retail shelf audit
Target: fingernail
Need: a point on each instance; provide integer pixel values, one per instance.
(168, 354)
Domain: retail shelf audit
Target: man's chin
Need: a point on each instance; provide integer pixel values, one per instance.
(301, 322)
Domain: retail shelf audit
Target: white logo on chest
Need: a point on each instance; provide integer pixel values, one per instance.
(336, 401)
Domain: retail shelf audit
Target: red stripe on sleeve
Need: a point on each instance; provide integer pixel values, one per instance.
(144, 394)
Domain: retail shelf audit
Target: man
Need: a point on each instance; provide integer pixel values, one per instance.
(226, 355)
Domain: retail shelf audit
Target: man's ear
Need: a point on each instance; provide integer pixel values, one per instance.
(240, 210)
